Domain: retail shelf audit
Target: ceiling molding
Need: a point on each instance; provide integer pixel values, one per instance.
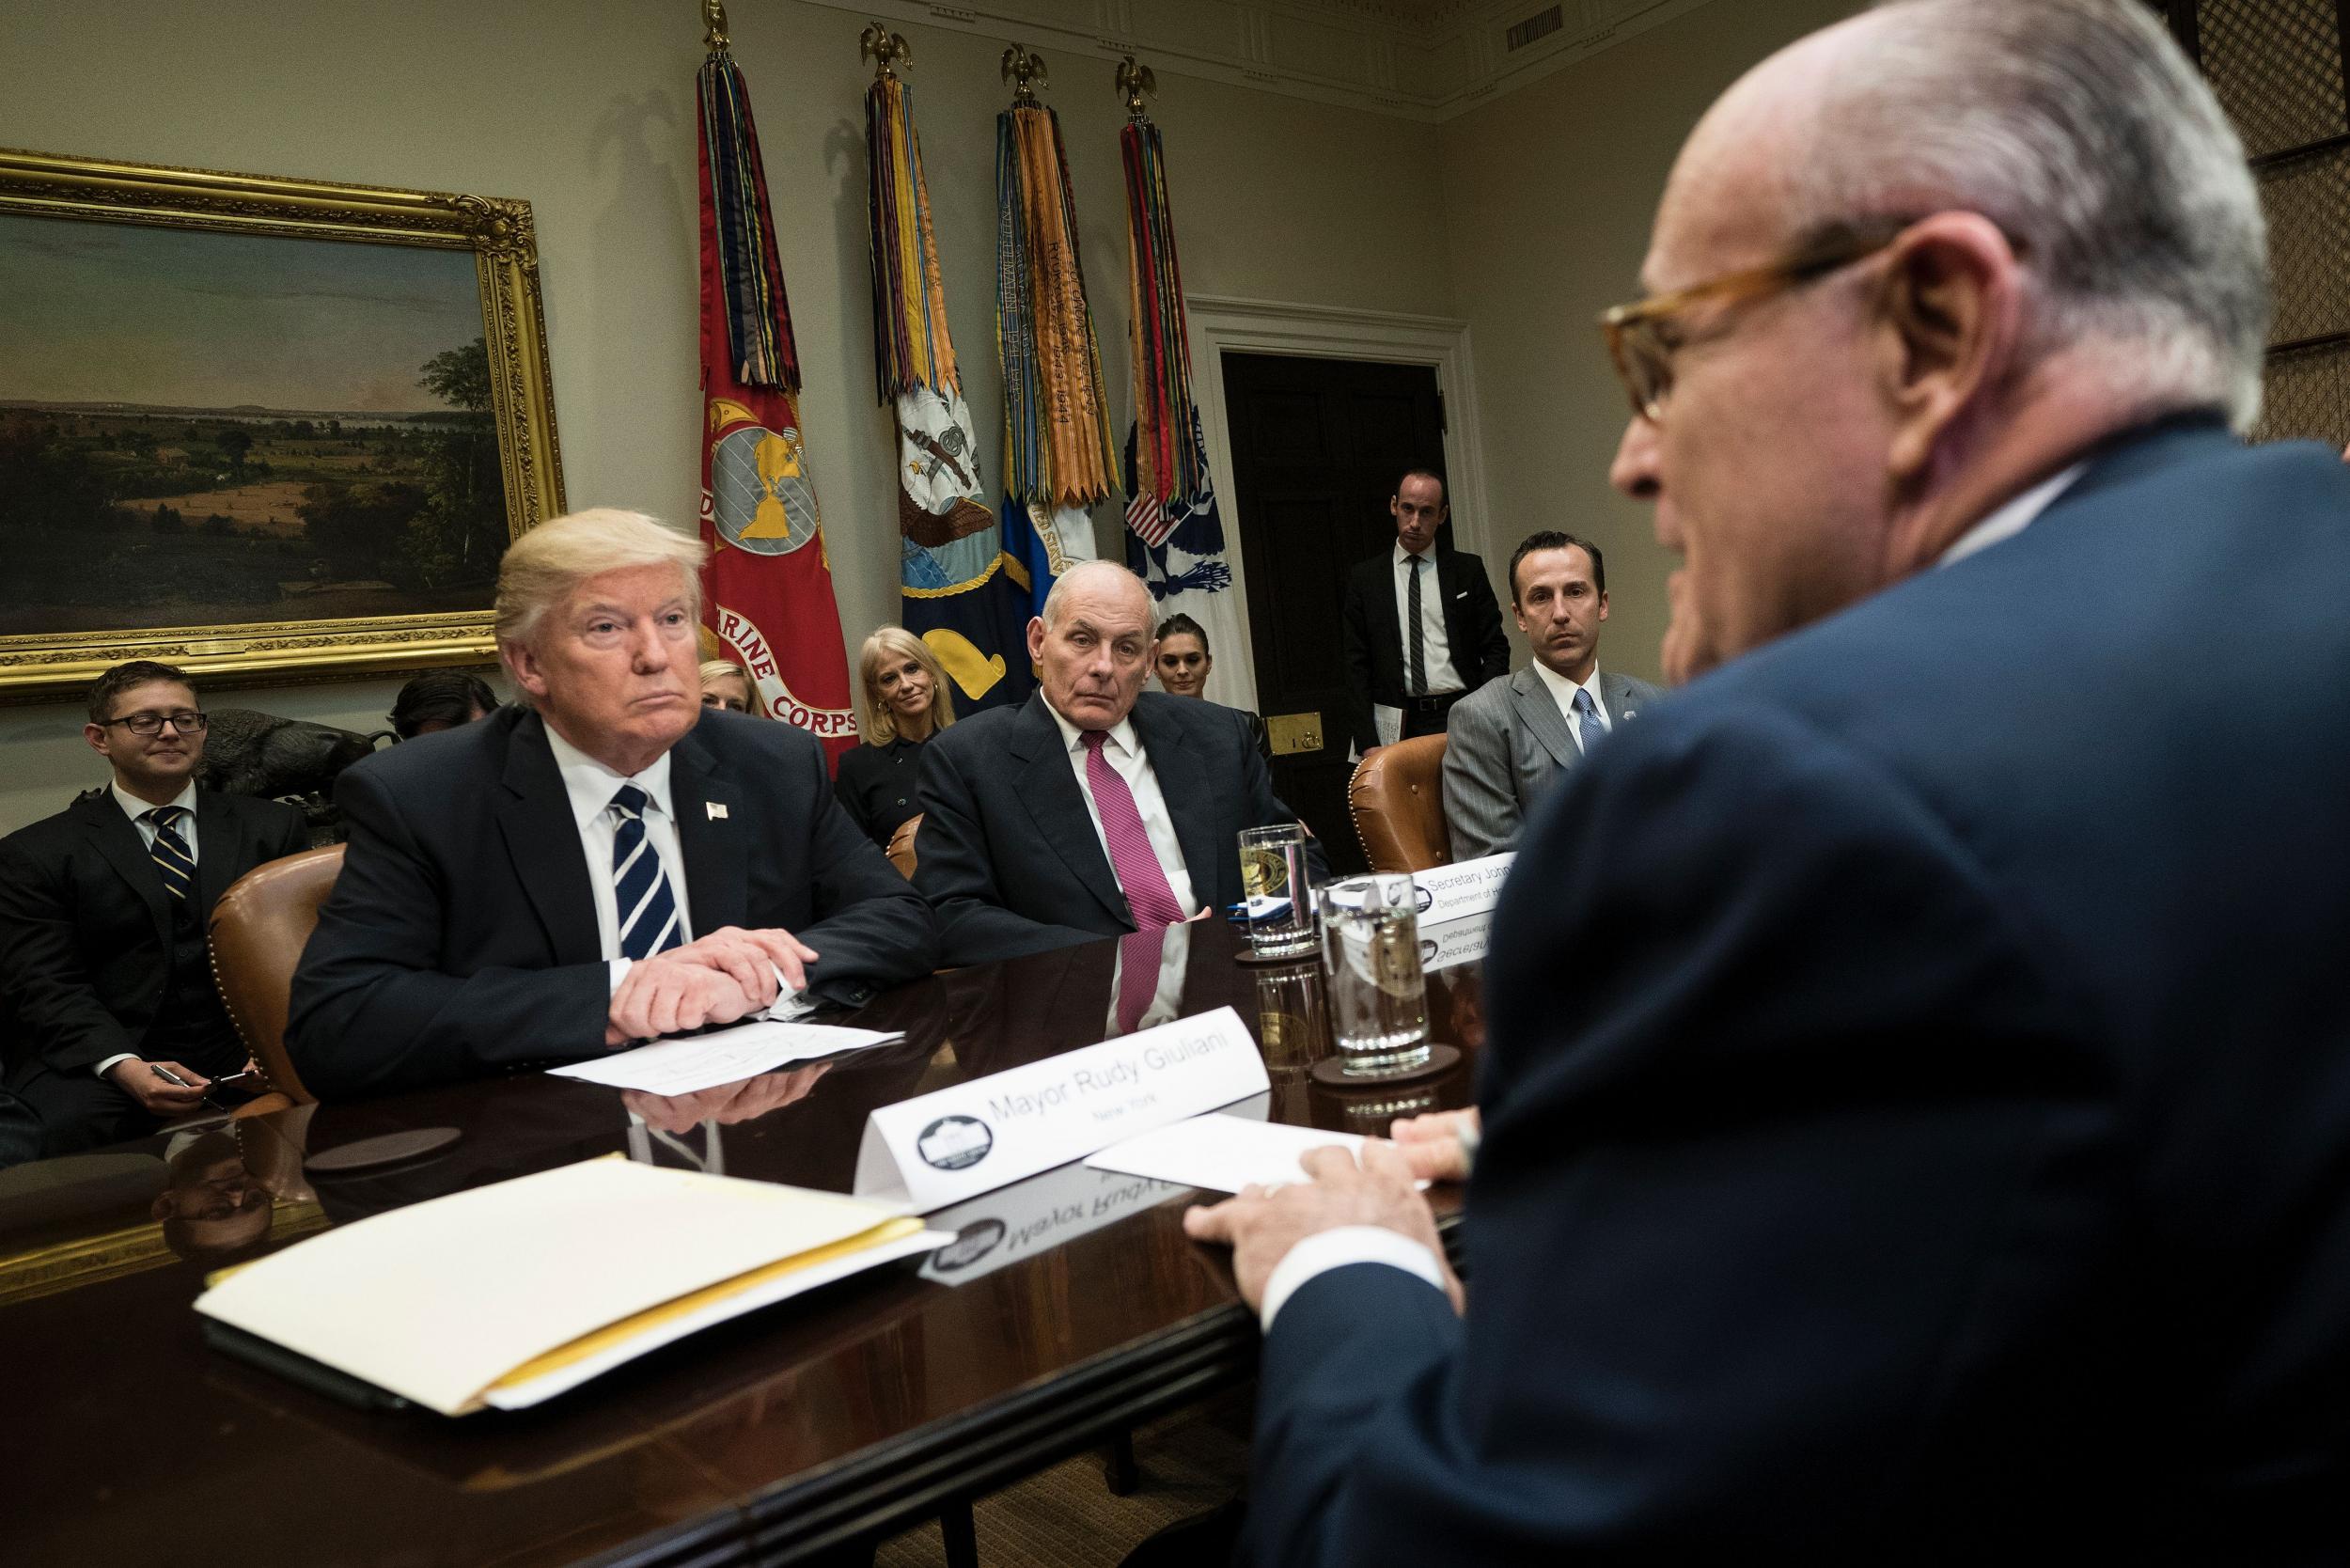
(1426, 60)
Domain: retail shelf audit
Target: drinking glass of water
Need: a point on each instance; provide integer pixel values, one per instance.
(1279, 888)
(1378, 996)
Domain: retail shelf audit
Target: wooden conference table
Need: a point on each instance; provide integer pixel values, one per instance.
(1071, 1308)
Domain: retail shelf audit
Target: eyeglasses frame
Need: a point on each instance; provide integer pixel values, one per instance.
(1619, 323)
(130, 721)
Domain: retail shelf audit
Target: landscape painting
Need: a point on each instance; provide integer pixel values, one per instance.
(278, 444)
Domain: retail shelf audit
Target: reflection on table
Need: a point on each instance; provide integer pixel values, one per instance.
(1069, 1306)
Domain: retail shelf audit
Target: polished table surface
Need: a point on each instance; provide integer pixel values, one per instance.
(1071, 1307)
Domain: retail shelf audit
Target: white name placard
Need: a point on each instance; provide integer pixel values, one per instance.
(1446, 943)
(1035, 1216)
(1449, 892)
(973, 1137)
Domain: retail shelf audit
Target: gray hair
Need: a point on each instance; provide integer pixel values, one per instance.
(1087, 572)
(543, 567)
(2081, 130)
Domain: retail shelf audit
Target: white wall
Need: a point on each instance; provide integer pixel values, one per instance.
(1548, 193)
(587, 109)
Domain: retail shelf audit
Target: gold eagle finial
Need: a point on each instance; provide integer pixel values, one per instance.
(885, 49)
(714, 23)
(1025, 73)
(1136, 82)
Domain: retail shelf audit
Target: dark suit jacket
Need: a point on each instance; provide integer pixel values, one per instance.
(1007, 853)
(1935, 1149)
(85, 926)
(462, 936)
(1480, 649)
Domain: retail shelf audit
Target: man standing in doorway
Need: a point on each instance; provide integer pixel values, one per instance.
(1422, 628)
(1508, 743)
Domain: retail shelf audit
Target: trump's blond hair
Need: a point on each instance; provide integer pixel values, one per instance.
(543, 567)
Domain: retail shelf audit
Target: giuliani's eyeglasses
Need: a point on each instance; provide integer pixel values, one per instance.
(187, 723)
(1642, 337)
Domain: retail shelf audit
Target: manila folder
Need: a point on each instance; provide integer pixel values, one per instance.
(509, 1293)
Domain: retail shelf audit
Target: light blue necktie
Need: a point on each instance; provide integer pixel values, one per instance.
(640, 889)
(1588, 728)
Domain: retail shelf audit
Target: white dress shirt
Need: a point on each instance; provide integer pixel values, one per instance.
(1368, 1244)
(591, 787)
(1562, 692)
(136, 809)
(1124, 752)
(1435, 652)
(2012, 519)
(1167, 993)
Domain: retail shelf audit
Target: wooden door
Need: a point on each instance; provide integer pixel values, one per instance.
(1317, 448)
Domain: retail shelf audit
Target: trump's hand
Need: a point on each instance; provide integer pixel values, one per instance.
(1440, 1145)
(669, 994)
(752, 957)
(1261, 1227)
(727, 1103)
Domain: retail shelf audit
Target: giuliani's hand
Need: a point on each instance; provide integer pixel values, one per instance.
(667, 994)
(1440, 1145)
(1261, 1227)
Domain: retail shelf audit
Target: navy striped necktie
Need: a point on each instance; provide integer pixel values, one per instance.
(640, 887)
(171, 854)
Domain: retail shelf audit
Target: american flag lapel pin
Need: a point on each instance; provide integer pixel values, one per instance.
(716, 808)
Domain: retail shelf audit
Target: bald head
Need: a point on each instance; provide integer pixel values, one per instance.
(1094, 580)
(2076, 127)
(1093, 646)
(1928, 257)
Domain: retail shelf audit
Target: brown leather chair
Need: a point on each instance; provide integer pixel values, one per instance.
(900, 850)
(258, 929)
(1397, 799)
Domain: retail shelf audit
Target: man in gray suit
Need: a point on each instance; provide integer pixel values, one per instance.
(1509, 742)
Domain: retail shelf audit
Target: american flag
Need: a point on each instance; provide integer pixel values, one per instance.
(1149, 522)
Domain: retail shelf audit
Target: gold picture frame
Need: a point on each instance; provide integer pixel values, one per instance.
(285, 265)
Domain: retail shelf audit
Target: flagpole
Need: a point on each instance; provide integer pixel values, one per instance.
(960, 591)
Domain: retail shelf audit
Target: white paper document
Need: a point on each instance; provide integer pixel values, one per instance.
(509, 1293)
(703, 1061)
(1222, 1152)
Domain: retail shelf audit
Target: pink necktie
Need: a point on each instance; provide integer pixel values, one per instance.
(1133, 861)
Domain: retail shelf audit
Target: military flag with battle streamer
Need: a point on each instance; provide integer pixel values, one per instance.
(767, 590)
(961, 592)
(1174, 538)
(1057, 446)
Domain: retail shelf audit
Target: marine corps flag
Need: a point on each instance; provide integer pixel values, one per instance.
(768, 587)
(961, 594)
(1174, 538)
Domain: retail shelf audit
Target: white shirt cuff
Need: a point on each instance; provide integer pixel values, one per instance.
(119, 1056)
(1348, 1244)
(620, 973)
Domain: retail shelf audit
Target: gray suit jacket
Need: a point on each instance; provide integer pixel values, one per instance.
(1506, 744)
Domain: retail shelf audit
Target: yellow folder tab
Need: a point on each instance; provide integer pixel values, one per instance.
(510, 1294)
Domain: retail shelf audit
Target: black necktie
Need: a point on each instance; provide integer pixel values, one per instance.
(1416, 679)
(172, 855)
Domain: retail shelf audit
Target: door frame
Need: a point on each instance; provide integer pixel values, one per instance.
(1222, 323)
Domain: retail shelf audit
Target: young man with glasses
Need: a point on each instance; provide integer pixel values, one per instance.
(102, 914)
